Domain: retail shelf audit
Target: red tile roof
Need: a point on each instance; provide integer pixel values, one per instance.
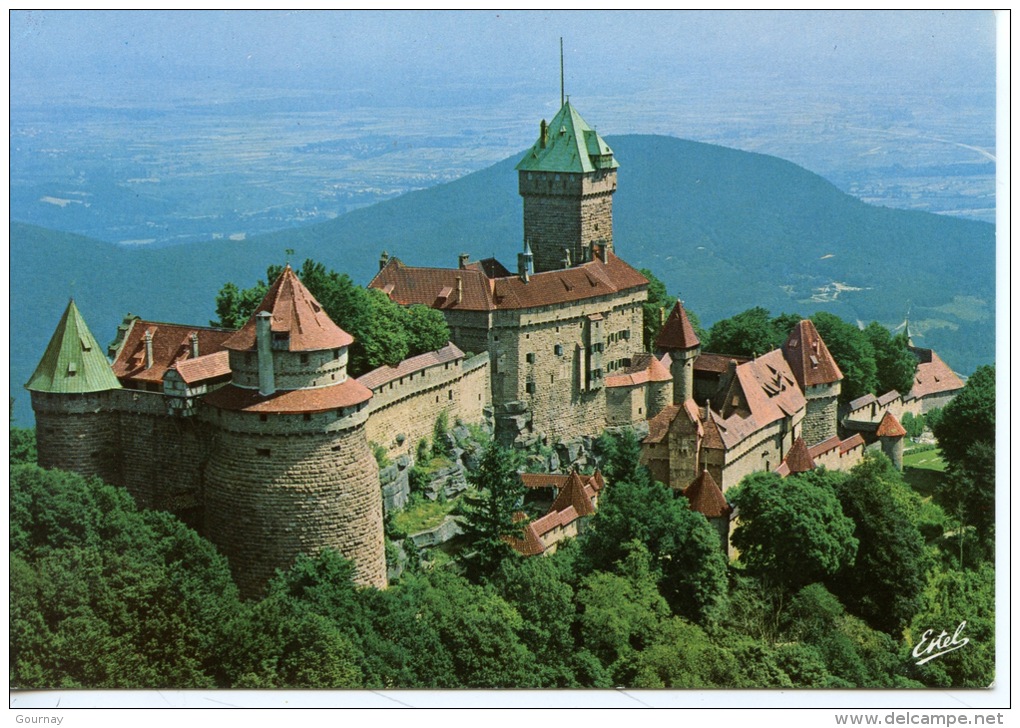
(799, 459)
(295, 313)
(658, 426)
(556, 480)
(820, 448)
(706, 497)
(643, 368)
(809, 357)
(477, 292)
(716, 363)
(204, 368)
(932, 376)
(385, 374)
(530, 544)
(294, 401)
(575, 495)
(763, 391)
(850, 443)
(890, 427)
(677, 333)
(171, 344)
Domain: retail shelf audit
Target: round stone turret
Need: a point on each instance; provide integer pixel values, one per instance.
(291, 471)
(819, 378)
(678, 339)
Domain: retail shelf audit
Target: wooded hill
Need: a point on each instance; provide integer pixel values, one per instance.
(726, 230)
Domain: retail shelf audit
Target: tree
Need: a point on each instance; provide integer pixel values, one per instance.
(749, 333)
(22, 441)
(792, 530)
(494, 520)
(894, 364)
(852, 351)
(106, 596)
(683, 656)
(884, 584)
(688, 563)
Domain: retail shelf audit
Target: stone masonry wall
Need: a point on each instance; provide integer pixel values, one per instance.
(404, 411)
(820, 420)
(762, 453)
(76, 432)
(270, 498)
(566, 211)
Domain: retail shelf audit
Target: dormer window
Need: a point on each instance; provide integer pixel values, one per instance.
(281, 340)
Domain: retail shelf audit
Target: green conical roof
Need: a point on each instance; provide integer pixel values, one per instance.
(570, 146)
(73, 362)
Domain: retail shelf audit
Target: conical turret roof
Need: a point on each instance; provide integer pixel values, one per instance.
(573, 494)
(890, 426)
(296, 315)
(74, 362)
(799, 459)
(809, 357)
(568, 144)
(677, 333)
(706, 498)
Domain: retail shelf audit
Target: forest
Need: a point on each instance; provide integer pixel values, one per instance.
(839, 578)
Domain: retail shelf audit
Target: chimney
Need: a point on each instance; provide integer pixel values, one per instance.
(383, 260)
(148, 348)
(566, 258)
(543, 134)
(194, 345)
(460, 289)
(264, 346)
(462, 260)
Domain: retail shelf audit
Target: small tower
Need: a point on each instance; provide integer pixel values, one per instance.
(891, 433)
(819, 378)
(705, 497)
(567, 180)
(678, 339)
(70, 396)
(291, 471)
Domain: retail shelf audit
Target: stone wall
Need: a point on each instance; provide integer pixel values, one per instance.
(404, 411)
(821, 414)
(269, 498)
(539, 362)
(76, 432)
(566, 211)
(764, 451)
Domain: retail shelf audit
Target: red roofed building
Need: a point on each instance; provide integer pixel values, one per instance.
(935, 384)
(576, 500)
(639, 390)
(706, 498)
(819, 378)
(569, 318)
(678, 339)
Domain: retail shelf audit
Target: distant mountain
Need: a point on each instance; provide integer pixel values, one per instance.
(724, 229)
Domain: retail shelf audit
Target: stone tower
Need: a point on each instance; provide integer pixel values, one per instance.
(70, 390)
(677, 338)
(819, 378)
(291, 471)
(891, 433)
(567, 180)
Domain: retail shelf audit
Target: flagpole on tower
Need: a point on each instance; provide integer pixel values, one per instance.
(561, 71)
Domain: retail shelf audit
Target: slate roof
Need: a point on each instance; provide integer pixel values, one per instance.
(890, 427)
(932, 376)
(295, 313)
(643, 368)
(385, 374)
(706, 497)
(438, 287)
(171, 346)
(809, 357)
(293, 401)
(73, 362)
(677, 333)
(571, 146)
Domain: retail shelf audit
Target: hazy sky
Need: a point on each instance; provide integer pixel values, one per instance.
(91, 54)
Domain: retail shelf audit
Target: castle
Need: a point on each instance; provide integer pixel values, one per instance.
(260, 439)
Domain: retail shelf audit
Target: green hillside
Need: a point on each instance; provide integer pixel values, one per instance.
(725, 229)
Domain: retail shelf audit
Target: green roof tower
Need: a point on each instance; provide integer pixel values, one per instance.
(567, 180)
(74, 362)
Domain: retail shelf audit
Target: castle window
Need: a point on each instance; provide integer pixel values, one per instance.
(449, 394)
(304, 358)
(530, 357)
(529, 387)
(263, 452)
(558, 350)
(263, 418)
(308, 417)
